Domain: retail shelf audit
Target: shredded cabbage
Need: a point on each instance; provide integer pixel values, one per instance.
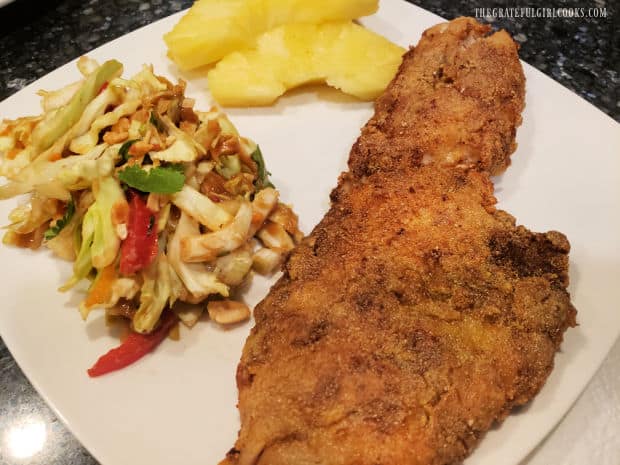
(199, 195)
(153, 296)
(183, 149)
(58, 98)
(147, 81)
(108, 196)
(201, 208)
(263, 204)
(56, 178)
(197, 279)
(26, 218)
(63, 244)
(59, 121)
(207, 247)
(83, 263)
(87, 65)
(86, 142)
(232, 268)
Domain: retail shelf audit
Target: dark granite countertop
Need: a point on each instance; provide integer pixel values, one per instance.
(583, 54)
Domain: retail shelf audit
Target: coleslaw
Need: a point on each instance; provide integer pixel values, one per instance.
(164, 209)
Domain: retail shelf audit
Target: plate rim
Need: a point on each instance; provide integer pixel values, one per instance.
(92, 446)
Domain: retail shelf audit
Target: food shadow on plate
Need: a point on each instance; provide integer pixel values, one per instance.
(189, 76)
(508, 183)
(95, 325)
(560, 375)
(298, 96)
(387, 28)
(576, 341)
(98, 326)
(573, 283)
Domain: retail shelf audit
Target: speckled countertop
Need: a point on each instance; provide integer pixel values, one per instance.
(35, 38)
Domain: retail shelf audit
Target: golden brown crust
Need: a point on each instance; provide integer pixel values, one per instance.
(416, 314)
(457, 98)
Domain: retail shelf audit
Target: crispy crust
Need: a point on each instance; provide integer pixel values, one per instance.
(415, 315)
(456, 100)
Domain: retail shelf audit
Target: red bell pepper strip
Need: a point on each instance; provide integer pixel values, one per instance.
(103, 87)
(139, 248)
(133, 348)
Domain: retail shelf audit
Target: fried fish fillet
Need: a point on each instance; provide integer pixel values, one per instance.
(416, 314)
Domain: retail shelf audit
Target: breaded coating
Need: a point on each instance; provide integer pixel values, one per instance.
(456, 100)
(416, 314)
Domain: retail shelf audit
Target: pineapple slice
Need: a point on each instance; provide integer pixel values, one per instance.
(213, 28)
(342, 54)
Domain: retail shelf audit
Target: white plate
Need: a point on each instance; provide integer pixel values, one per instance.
(178, 404)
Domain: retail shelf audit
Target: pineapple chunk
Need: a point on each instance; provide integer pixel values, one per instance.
(213, 28)
(342, 54)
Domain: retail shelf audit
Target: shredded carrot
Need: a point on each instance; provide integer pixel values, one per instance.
(257, 218)
(54, 157)
(101, 289)
(11, 154)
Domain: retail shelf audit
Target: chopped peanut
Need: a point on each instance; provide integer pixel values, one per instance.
(141, 115)
(115, 137)
(121, 125)
(285, 217)
(227, 312)
(226, 145)
(265, 261)
(274, 236)
(140, 148)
